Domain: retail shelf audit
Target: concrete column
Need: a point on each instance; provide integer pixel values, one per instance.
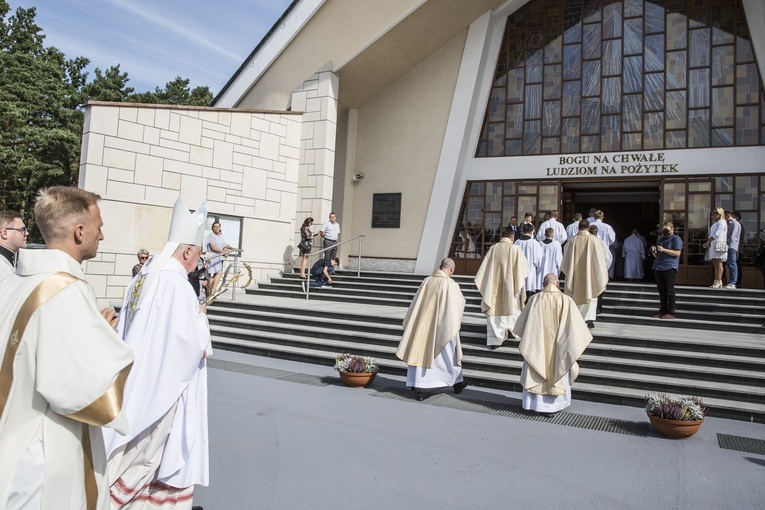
(317, 98)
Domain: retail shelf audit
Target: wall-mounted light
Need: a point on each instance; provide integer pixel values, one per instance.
(358, 177)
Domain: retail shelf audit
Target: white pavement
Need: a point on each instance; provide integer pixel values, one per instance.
(284, 445)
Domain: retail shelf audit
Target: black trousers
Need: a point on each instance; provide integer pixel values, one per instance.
(665, 282)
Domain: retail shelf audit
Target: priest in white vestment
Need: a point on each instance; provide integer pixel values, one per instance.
(584, 264)
(553, 337)
(533, 253)
(63, 369)
(605, 231)
(13, 237)
(431, 345)
(552, 256)
(501, 280)
(166, 452)
(573, 228)
(633, 251)
(559, 230)
(606, 250)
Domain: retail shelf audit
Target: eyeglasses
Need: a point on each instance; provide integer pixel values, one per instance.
(23, 230)
(143, 258)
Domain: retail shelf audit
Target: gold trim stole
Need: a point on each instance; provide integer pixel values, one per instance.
(45, 291)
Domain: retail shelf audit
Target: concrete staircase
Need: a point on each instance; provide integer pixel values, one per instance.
(714, 349)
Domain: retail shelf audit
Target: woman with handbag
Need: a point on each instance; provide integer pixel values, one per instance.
(717, 246)
(306, 238)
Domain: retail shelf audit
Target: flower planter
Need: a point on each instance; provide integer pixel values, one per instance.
(675, 429)
(357, 379)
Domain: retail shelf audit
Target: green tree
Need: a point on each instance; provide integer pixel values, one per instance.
(109, 85)
(40, 128)
(175, 92)
(42, 94)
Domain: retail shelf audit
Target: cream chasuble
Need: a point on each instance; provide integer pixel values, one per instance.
(432, 321)
(584, 264)
(501, 279)
(64, 381)
(553, 336)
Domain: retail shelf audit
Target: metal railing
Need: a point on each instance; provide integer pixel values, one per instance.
(235, 270)
(307, 281)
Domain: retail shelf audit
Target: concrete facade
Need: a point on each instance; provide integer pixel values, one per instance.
(414, 82)
(140, 158)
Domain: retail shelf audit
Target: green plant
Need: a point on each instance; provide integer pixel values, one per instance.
(355, 363)
(679, 409)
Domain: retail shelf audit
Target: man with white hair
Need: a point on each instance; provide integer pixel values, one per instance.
(165, 454)
(64, 368)
(431, 345)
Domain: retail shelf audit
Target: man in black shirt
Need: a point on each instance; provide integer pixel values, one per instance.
(322, 272)
(13, 236)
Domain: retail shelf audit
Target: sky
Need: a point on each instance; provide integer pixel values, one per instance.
(156, 40)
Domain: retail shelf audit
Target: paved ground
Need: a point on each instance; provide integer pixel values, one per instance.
(276, 444)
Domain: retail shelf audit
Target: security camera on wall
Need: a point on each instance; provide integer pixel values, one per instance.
(358, 177)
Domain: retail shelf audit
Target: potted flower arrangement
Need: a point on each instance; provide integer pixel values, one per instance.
(356, 371)
(678, 418)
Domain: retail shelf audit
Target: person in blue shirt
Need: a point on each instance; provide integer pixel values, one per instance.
(667, 253)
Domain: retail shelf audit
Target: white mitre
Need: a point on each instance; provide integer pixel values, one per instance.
(185, 228)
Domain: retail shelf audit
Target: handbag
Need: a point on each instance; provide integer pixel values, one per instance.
(304, 245)
(721, 247)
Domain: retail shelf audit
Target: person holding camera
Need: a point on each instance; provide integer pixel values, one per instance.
(665, 265)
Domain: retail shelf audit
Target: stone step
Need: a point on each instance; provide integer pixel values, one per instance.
(473, 330)
(641, 308)
(583, 388)
(384, 346)
(631, 315)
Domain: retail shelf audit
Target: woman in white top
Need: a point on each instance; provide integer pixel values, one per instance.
(718, 232)
(216, 245)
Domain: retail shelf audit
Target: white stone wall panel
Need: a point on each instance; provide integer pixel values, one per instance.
(128, 114)
(151, 135)
(106, 122)
(130, 131)
(190, 131)
(140, 158)
(162, 119)
(146, 116)
(118, 159)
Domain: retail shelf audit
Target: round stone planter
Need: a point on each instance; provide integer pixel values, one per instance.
(357, 379)
(675, 429)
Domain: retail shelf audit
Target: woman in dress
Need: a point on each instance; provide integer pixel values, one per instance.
(718, 232)
(216, 245)
(306, 237)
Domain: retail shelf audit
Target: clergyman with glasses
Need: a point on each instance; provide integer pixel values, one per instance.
(13, 236)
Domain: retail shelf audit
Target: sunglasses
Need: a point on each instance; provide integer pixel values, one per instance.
(143, 258)
(23, 230)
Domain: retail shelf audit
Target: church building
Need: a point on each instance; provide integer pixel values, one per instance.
(428, 124)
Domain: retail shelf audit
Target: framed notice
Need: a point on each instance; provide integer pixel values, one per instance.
(386, 210)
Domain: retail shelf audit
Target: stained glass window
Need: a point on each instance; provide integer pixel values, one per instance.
(589, 75)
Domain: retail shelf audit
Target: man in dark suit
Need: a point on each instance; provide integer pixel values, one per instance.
(513, 226)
